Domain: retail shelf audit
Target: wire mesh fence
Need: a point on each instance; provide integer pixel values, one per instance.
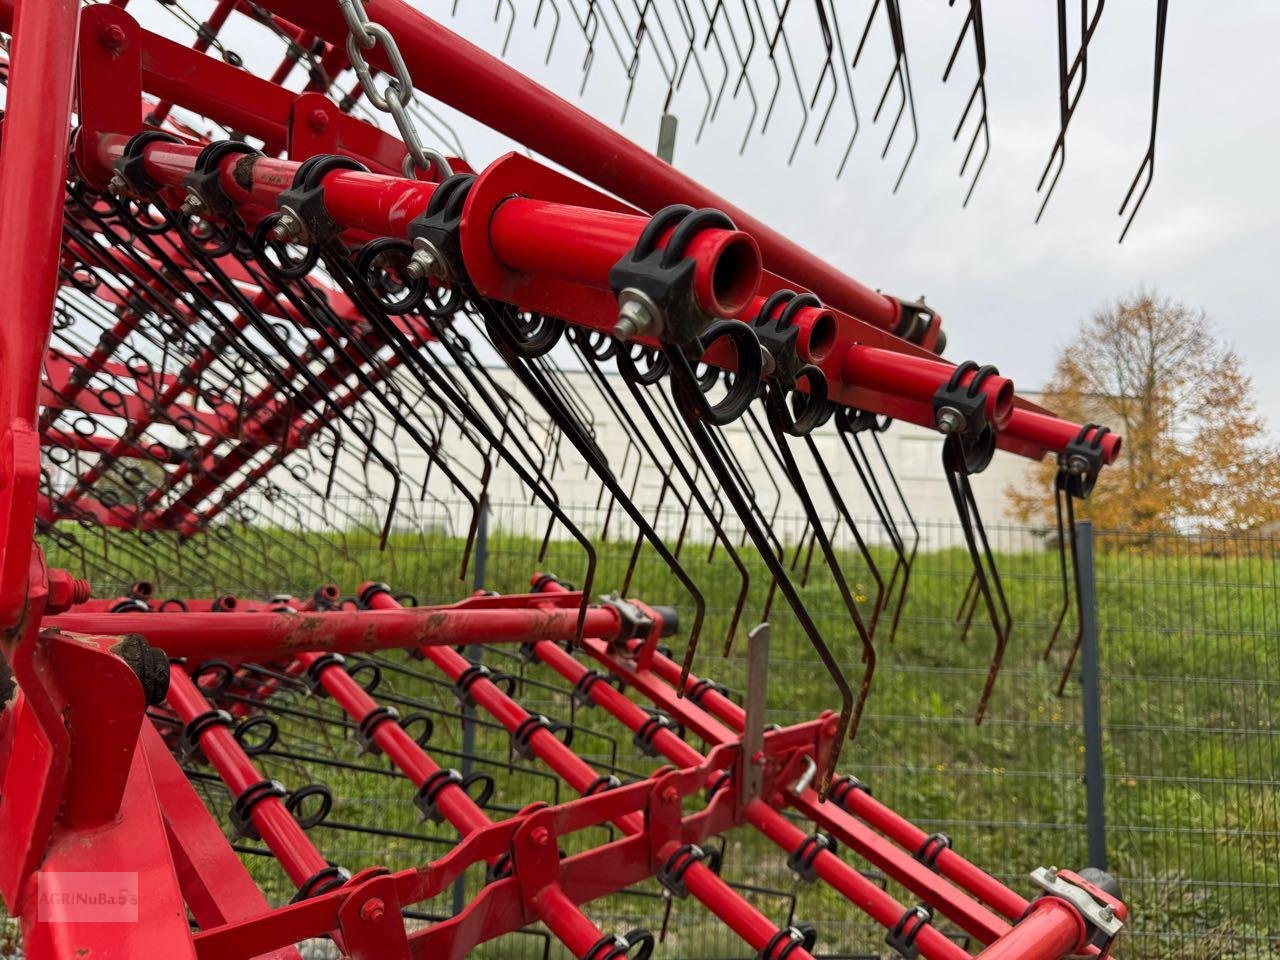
(1190, 679)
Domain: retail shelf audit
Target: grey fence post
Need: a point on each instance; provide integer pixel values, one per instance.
(474, 652)
(1091, 694)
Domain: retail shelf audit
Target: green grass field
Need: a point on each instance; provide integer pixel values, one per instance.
(1191, 676)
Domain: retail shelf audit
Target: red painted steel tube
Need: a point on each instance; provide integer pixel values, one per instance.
(869, 898)
(561, 915)
(897, 828)
(561, 241)
(1053, 433)
(454, 803)
(897, 863)
(919, 379)
(281, 832)
(580, 244)
(460, 74)
(754, 927)
(200, 636)
(36, 125)
(1052, 930)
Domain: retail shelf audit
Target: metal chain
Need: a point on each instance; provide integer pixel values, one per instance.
(394, 98)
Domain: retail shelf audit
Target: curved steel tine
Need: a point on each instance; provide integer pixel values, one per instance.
(1068, 99)
(972, 22)
(555, 27)
(828, 69)
(842, 513)
(900, 74)
(1075, 570)
(870, 483)
(530, 377)
(848, 85)
(664, 433)
(691, 56)
(779, 34)
(987, 575)
(1148, 164)
(1058, 493)
(711, 453)
(712, 35)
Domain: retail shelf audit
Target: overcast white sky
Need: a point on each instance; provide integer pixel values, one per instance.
(1010, 291)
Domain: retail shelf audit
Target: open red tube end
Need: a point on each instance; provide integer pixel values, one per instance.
(728, 271)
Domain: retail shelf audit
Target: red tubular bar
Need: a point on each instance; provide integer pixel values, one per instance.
(279, 830)
(1051, 930)
(878, 904)
(919, 379)
(862, 805)
(201, 636)
(900, 865)
(580, 244)
(462, 75)
(36, 124)
(561, 915)
(754, 927)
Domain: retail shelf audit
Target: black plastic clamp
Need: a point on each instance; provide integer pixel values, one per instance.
(250, 797)
(437, 231)
(662, 279)
(304, 200)
(802, 859)
(960, 412)
(600, 784)
(322, 881)
(786, 941)
(704, 686)
(204, 182)
(540, 582)
(930, 848)
(189, 744)
(1081, 461)
(902, 937)
(370, 723)
(612, 947)
(522, 735)
(429, 793)
(131, 166)
(318, 666)
(473, 675)
(581, 692)
(841, 788)
(365, 598)
(649, 729)
(671, 874)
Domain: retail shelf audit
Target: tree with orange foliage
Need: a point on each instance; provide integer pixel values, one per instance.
(1196, 453)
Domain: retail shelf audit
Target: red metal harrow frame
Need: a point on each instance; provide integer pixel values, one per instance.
(317, 268)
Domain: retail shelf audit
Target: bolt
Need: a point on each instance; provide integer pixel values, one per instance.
(637, 315)
(1053, 874)
(117, 185)
(950, 420)
(423, 263)
(289, 227)
(1107, 912)
(192, 204)
(317, 120)
(1078, 464)
(540, 837)
(113, 37)
(373, 910)
(669, 795)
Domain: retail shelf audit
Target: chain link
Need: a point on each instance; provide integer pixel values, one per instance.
(395, 96)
